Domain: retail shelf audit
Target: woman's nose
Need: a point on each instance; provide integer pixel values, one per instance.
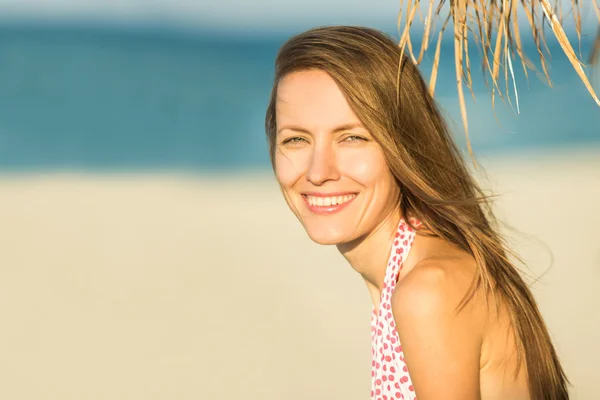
(323, 166)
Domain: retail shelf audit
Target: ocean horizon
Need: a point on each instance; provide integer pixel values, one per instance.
(104, 97)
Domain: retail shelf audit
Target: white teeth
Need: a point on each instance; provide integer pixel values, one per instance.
(329, 201)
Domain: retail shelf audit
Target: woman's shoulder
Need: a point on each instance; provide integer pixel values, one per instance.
(439, 276)
(438, 286)
(441, 340)
(429, 309)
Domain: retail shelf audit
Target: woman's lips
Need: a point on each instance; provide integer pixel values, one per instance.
(321, 203)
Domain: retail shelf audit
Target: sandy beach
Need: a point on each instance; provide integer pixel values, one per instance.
(172, 286)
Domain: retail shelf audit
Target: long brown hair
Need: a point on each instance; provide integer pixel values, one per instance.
(435, 183)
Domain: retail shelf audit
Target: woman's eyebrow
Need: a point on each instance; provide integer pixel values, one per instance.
(345, 127)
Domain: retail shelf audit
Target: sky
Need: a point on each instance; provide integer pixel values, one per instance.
(261, 14)
(235, 15)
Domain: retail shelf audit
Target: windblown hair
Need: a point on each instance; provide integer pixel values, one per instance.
(433, 178)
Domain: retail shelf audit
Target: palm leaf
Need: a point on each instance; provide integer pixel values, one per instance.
(494, 28)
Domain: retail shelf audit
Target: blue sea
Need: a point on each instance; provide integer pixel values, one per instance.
(104, 97)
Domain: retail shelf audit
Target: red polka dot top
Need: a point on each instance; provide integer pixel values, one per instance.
(390, 379)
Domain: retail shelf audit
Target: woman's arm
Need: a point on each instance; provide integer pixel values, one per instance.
(441, 345)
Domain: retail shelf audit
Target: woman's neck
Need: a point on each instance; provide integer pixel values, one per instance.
(369, 254)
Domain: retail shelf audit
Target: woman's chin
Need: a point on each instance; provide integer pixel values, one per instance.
(326, 237)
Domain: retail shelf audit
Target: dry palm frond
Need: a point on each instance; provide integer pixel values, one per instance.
(494, 26)
(595, 54)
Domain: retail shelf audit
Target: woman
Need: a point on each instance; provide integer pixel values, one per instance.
(370, 166)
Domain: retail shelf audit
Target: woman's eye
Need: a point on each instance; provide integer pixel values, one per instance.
(294, 140)
(354, 138)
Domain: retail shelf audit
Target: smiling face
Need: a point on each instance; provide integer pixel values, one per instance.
(332, 172)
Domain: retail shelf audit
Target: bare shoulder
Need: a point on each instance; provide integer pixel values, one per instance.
(436, 286)
(441, 343)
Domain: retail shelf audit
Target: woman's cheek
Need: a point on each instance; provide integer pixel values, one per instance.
(364, 168)
(287, 169)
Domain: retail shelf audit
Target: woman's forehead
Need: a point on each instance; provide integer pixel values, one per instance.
(312, 97)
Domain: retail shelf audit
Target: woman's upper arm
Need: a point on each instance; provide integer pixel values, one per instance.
(441, 345)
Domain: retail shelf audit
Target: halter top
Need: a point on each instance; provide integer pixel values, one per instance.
(390, 379)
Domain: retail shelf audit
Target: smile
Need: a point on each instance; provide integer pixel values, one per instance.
(328, 204)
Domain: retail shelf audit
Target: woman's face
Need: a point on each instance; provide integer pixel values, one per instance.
(333, 174)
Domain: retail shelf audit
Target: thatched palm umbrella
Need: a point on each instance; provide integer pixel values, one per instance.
(494, 27)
